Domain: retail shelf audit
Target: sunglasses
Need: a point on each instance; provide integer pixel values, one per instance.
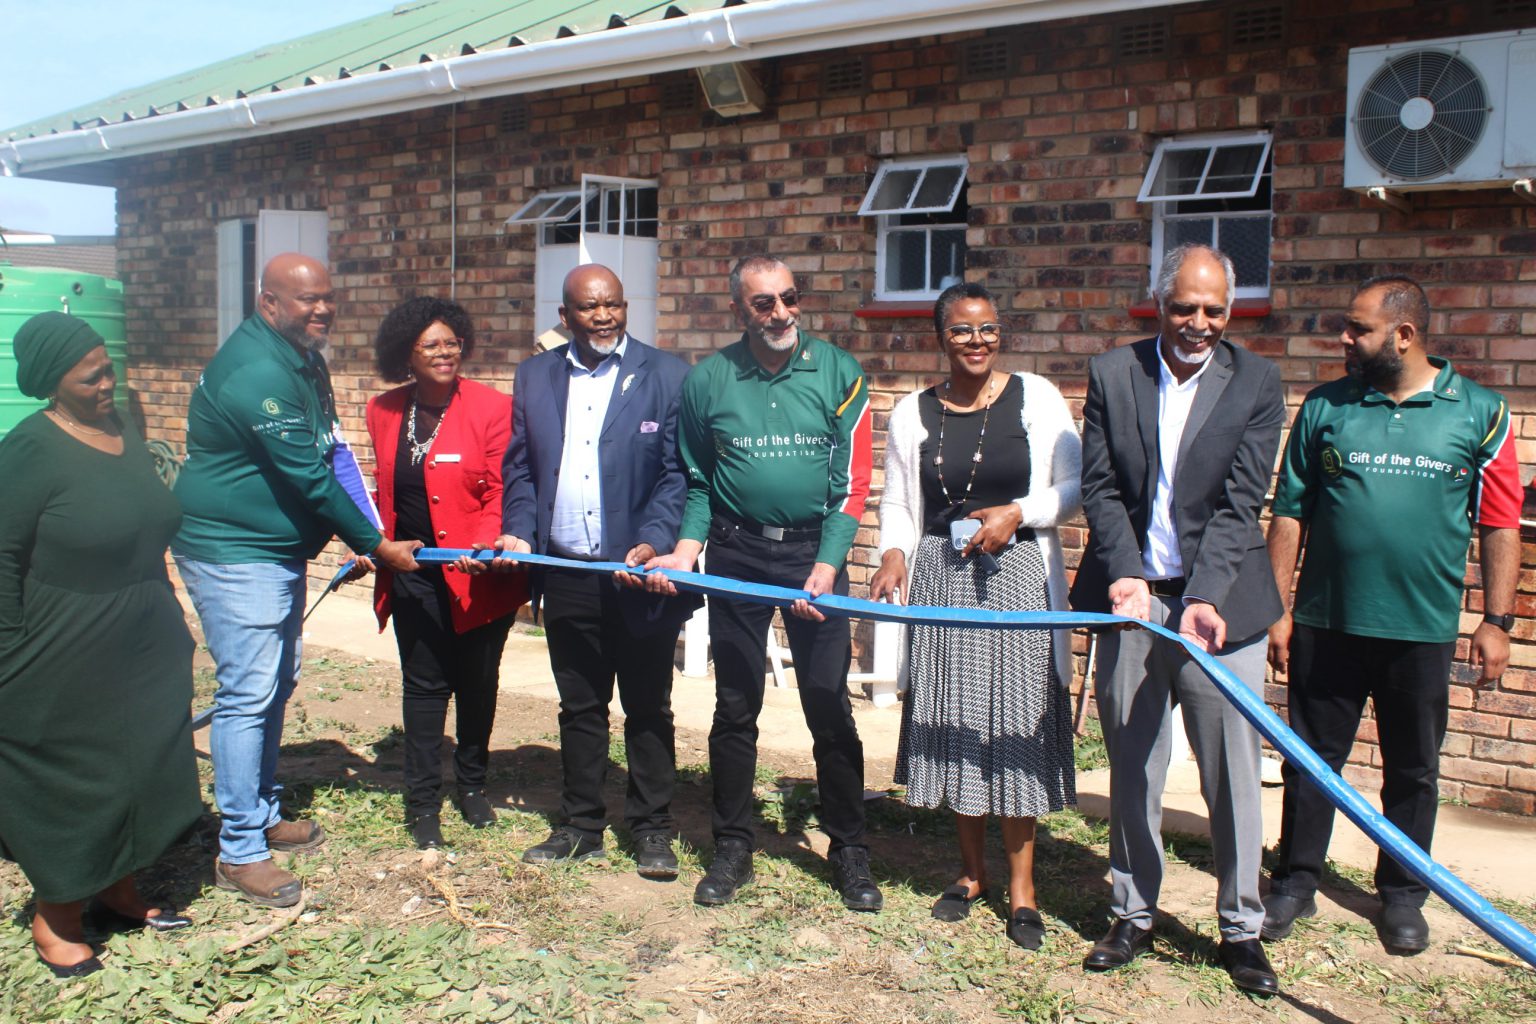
(767, 303)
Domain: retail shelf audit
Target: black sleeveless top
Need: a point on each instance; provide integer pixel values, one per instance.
(1003, 472)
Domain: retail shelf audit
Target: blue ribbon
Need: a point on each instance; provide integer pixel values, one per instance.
(1513, 935)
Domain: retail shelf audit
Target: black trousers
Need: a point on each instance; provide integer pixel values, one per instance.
(738, 638)
(590, 645)
(436, 663)
(1332, 673)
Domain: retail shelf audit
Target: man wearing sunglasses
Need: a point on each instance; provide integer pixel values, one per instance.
(776, 439)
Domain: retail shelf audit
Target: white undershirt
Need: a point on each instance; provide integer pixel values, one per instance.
(1160, 558)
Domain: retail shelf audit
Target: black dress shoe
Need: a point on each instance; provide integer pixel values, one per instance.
(165, 921)
(1119, 946)
(1244, 959)
(728, 872)
(654, 857)
(476, 808)
(564, 844)
(1402, 928)
(1281, 912)
(851, 878)
(87, 966)
(427, 831)
(1026, 929)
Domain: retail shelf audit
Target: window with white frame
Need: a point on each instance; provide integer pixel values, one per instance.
(1214, 190)
(611, 208)
(920, 248)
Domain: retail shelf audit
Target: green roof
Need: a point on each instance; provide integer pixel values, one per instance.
(412, 32)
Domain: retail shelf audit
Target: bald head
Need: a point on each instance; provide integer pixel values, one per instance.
(594, 311)
(297, 300)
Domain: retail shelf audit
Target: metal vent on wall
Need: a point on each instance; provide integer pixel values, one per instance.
(1257, 25)
(304, 150)
(223, 162)
(514, 118)
(1511, 9)
(987, 58)
(680, 94)
(1142, 38)
(1421, 114)
(843, 76)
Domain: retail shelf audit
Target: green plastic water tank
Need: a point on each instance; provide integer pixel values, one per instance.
(28, 291)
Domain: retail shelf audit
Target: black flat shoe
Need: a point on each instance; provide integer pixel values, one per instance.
(165, 921)
(79, 970)
(955, 902)
(1026, 929)
(476, 808)
(1244, 959)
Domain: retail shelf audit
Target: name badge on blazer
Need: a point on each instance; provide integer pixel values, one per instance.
(447, 458)
(649, 426)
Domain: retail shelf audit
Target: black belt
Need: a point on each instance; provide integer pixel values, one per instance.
(1173, 587)
(774, 533)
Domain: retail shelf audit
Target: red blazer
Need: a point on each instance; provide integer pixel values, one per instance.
(464, 494)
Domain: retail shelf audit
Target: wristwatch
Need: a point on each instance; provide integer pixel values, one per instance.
(1504, 622)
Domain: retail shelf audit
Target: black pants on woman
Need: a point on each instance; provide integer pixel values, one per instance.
(436, 663)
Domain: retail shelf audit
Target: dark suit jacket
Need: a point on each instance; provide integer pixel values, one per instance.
(644, 484)
(1226, 459)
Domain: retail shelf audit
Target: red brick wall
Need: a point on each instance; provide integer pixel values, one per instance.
(1057, 151)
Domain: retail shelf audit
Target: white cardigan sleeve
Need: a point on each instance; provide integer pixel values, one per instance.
(1056, 456)
(901, 503)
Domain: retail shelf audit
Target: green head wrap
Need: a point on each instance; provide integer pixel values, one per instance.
(47, 347)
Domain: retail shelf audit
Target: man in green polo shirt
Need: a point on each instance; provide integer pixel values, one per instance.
(1385, 472)
(259, 499)
(775, 433)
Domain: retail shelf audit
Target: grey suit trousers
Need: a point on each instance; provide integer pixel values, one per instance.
(1140, 677)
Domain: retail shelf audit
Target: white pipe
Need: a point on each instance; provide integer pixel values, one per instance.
(768, 29)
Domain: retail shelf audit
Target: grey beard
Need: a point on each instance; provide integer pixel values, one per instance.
(790, 339)
(1196, 358)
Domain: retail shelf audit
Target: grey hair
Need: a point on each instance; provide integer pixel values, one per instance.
(752, 265)
(1173, 262)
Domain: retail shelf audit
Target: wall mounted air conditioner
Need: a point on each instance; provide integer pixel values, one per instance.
(1442, 113)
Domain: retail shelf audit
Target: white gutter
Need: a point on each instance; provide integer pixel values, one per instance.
(752, 31)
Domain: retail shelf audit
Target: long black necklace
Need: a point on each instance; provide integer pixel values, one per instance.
(938, 460)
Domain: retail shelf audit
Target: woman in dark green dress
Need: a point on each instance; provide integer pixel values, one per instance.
(96, 760)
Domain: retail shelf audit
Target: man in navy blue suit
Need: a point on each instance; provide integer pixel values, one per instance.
(593, 473)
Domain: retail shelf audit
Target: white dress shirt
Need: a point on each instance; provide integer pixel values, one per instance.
(1160, 558)
(577, 525)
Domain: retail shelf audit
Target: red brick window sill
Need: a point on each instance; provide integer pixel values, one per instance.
(895, 311)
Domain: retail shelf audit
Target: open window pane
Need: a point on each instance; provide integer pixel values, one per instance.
(1210, 169)
(915, 186)
(546, 207)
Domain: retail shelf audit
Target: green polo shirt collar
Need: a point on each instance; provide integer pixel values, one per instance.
(804, 358)
(1446, 386)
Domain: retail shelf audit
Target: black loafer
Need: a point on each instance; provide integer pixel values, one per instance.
(85, 967)
(851, 878)
(427, 831)
(955, 902)
(1402, 929)
(1119, 946)
(654, 857)
(728, 872)
(1026, 929)
(564, 844)
(1244, 959)
(165, 921)
(476, 808)
(1282, 911)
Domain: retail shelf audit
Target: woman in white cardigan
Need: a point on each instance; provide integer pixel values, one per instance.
(987, 725)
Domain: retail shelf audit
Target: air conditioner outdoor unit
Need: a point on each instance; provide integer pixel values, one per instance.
(1442, 113)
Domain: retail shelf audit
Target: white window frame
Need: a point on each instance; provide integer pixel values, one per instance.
(888, 219)
(301, 231)
(551, 207)
(1162, 203)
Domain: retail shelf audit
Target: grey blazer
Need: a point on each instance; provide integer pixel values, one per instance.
(1226, 459)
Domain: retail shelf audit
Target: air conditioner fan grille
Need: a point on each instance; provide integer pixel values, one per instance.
(1421, 114)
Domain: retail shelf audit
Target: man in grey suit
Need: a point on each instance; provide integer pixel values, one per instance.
(1179, 440)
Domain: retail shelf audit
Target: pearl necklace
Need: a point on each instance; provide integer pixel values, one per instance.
(938, 460)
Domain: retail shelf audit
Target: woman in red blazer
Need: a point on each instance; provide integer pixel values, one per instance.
(438, 441)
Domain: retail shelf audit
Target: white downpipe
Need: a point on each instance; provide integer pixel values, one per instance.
(760, 30)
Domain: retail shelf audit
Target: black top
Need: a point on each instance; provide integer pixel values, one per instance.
(1001, 476)
(413, 519)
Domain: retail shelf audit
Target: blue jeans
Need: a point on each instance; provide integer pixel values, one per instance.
(252, 615)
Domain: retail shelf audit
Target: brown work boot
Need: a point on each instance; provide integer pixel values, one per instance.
(260, 882)
(295, 836)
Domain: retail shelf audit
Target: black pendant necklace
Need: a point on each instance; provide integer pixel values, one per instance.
(938, 460)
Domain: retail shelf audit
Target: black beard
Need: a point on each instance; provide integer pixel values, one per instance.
(1382, 371)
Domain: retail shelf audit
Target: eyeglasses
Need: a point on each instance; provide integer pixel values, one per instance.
(766, 303)
(449, 346)
(964, 334)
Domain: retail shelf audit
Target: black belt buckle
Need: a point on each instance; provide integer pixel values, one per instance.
(1167, 588)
